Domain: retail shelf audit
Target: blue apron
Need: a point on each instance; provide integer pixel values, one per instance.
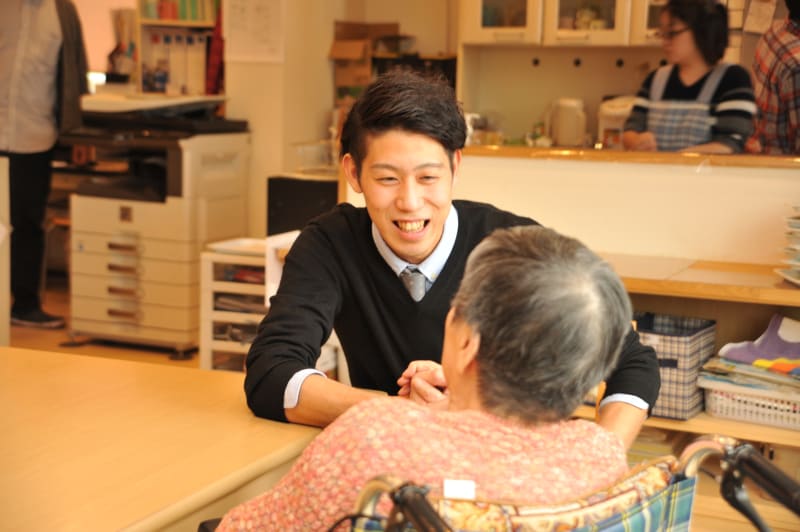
(677, 124)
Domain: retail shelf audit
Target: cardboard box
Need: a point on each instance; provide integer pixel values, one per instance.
(351, 52)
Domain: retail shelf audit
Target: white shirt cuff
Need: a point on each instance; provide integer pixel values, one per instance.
(632, 400)
(292, 392)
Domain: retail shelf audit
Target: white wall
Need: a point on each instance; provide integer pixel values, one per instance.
(98, 33)
(292, 102)
(427, 20)
(285, 103)
(698, 212)
(503, 83)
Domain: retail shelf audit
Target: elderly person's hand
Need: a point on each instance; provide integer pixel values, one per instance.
(423, 381)
(644, 141)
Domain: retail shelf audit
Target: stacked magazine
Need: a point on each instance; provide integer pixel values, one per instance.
(791, 270)
(722, 370)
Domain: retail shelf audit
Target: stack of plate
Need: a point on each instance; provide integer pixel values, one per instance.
(792, 270)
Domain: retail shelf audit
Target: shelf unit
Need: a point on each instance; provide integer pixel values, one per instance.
(218, 277)
(227, 354)
(501, 22)
(175, 46)
(740, 297)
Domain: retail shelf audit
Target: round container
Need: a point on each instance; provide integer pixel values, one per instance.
(611, 118)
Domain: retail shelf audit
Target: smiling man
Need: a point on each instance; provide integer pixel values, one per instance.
(401, 146)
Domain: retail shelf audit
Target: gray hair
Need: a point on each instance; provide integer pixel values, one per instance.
(551, 316)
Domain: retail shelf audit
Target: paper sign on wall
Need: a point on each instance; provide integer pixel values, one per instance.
(759, 16)
(254, 30)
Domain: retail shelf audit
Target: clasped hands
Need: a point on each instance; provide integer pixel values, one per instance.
(423, 381)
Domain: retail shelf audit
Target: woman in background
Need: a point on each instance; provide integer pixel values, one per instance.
(695, 103)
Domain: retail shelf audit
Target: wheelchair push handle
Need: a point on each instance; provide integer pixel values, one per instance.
(778, 484)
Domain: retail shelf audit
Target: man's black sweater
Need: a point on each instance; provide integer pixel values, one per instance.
(334, 277)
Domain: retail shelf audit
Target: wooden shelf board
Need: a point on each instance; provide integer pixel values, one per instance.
(704, 423)
(238, 288)
(228, 316)
(230, 347)
(718, 281)
(177, 23)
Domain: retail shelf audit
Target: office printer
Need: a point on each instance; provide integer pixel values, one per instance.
(160, 182)
(130, 145)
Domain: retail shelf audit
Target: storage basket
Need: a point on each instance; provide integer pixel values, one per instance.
(755, 405)
(682, 345)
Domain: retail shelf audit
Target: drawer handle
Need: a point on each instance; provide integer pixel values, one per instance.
(115, 313)
(117, 268)
(114, 246)
(117, 291)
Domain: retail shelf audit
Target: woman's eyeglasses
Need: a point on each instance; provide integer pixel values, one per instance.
(668, 35)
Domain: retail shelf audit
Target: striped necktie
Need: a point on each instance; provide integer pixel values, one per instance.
(414, 281)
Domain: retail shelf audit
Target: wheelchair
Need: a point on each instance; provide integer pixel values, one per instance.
(655, 496)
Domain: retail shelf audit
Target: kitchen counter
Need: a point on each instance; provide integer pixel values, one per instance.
(587, 154)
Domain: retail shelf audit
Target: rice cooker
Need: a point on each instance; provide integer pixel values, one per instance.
(611, 118)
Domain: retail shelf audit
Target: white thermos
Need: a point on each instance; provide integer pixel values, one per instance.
(567, 122)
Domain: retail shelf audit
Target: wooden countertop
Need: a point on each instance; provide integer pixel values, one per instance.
(616, 156)
(697, 279)
(98, 444)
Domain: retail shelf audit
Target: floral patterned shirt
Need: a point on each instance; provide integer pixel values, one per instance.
(507, 461)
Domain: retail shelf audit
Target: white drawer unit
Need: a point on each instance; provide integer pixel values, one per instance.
(231, 306)
(237, 277)
(135, 263)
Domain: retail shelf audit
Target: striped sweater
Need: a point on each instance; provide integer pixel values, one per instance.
(732, 106)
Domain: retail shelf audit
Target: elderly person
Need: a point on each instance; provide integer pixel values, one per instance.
(537, 321)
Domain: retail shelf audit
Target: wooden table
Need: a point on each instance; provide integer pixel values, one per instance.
(97, 444)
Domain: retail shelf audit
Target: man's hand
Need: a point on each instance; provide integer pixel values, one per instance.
(423, 382)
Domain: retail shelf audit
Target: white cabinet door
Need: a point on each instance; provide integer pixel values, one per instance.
(644, 22)
(501, 22)
(586, 23)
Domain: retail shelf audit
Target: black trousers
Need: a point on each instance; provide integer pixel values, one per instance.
(30, 176)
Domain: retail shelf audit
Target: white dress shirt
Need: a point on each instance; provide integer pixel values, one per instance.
(430, 267)
(30, 43)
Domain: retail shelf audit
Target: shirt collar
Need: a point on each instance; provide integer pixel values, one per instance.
(432, 266)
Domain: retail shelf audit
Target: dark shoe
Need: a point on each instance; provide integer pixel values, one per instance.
(37, 319)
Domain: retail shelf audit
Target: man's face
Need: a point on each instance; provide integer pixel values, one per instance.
(407, 185)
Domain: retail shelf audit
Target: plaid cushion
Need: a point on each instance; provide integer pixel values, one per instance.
(669, 510)
(649, 498)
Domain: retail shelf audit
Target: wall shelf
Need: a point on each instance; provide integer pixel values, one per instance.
(718, 281)
(691, 287)
(704, 423)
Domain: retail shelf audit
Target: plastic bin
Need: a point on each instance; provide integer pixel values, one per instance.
(753, 405)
